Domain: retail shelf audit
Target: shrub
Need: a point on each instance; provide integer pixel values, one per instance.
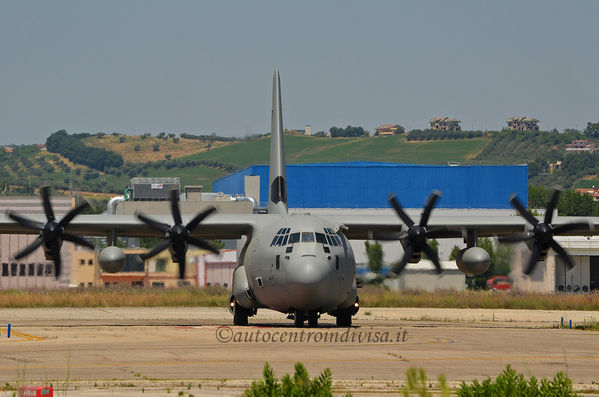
(510, 383)
(298, 386)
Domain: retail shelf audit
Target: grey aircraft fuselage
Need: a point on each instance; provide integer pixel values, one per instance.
(300, 263)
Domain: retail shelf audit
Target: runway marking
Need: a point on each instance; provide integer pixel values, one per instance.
(23, 336)
(212, 362)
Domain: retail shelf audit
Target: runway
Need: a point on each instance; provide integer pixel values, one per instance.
(121, 351)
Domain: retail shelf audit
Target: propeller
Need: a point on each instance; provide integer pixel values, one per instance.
(52, 232)
(178, 236)
(414, 240)
(540, 238)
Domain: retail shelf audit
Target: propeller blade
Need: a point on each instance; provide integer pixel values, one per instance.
(30, 248)
(523, 211)
(45, 193)
(57, 260)
(64, 222)
(78, 240)
(180, 254)
(551, 205)
(28, 223)
(157, 249)
(199, 218)
(563, 229)
(532, 262)
(428, 208)
(398, 266)
(161, 227)
(175, 207)
(203, 244)
(443, 233)
(516, 238)
(432, 255)
(562, 253)
(400, 212)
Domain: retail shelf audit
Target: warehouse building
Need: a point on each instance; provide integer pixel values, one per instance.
(362, 184)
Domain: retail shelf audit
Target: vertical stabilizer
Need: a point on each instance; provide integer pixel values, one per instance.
(277, 197)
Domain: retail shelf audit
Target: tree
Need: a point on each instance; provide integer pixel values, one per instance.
(501, 259)
(348, 131)
(156, 147)
(454, 253)
(321, 134)
(137, 148)
(592, 130)
(375, 256)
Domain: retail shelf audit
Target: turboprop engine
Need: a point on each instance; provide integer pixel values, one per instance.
(473, 260)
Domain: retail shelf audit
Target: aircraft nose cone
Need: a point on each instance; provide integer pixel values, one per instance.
(309, 283)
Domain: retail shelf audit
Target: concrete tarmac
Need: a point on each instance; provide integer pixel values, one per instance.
(151, 351)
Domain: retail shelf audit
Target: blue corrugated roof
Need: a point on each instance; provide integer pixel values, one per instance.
(364, 184)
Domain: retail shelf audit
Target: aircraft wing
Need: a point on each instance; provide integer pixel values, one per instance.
(363, 227)
(216, 226)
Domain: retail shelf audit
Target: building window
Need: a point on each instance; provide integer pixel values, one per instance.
(4, 269)
(82, 262)
(90, 262)
(137, 284)
(158, 284)
(160, 265)
(40, 269)
(90, 284)
(13, 269)
(82, 285)
(49, 269)
(31, 269)
(22, 269)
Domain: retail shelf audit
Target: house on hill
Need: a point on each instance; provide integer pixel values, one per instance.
(521, 123)
(388, 129)
(580, 146)
(445, 124)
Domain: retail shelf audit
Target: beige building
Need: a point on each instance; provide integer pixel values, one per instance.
(445, 124)
(387, 129)
(33, 271)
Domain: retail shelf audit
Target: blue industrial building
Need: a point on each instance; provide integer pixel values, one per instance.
(368, 184)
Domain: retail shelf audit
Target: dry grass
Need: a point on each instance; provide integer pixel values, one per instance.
(184, 147)
(115, 297)
(370, 296)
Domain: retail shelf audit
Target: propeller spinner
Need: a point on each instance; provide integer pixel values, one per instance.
(540, 238)
(178, 236)
(52, 232)
(414, 240)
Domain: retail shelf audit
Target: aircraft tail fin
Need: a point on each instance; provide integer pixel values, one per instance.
(277, 197)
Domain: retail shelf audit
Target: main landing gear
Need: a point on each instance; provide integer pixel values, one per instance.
(299, 317)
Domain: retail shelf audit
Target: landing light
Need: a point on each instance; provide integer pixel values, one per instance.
(356, 304)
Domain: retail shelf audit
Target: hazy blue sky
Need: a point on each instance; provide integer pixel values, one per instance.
(204, 67)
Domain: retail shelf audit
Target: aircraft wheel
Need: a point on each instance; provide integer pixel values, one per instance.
(298, 319)
(344, 319)
(313, 320)
(240, 316)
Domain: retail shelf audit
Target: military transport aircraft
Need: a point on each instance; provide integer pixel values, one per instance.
(298, 264)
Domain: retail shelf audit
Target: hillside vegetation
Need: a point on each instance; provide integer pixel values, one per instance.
(199, 160)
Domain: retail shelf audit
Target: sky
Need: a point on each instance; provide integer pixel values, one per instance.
(204, 67)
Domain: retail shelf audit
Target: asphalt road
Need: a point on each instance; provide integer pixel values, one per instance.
(150, 351)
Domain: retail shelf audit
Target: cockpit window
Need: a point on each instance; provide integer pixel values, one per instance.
(332, 238)
(307, 237)
(281, 237)
(320, 238)
(294, 238)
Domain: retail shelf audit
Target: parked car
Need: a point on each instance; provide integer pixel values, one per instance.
(499, 283)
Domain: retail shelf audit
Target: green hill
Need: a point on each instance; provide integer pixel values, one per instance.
(201, 160)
